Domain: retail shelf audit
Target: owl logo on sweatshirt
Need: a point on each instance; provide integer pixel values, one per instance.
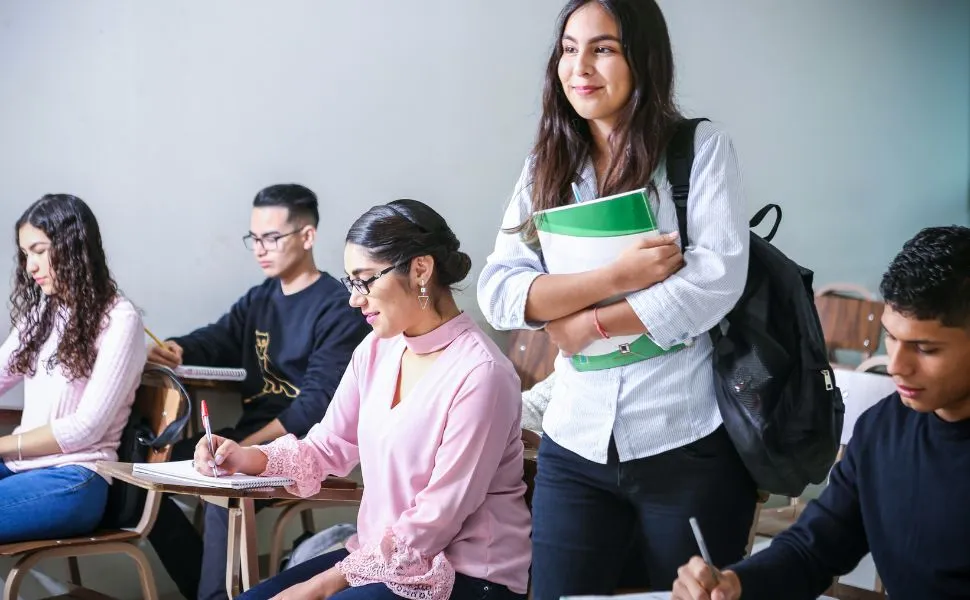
(273, 383)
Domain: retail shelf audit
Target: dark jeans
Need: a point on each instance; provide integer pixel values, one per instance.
(586, 517)
(50, 503)
(466, 588)
(174, 537)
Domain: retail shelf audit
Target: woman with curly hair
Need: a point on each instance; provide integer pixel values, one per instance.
(77, 345)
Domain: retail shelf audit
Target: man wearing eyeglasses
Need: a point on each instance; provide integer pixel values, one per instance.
(294, 334)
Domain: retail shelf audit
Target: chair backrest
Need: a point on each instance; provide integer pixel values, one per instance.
(849, 323)
(532, 354)
(159, 402)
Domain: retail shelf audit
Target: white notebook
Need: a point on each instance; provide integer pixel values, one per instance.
(182, 472)
(214, 373)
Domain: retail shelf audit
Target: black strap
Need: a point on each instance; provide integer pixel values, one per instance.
(174, 430)
(760, 216)
(680, 159)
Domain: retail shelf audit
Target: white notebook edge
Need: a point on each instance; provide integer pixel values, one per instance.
(158, 471)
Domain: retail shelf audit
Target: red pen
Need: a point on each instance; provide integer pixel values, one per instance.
(208, 435)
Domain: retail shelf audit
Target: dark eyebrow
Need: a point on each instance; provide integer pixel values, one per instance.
(916, 342)
(33, 247)
(265, 234)
(604, 37)
(357, 272)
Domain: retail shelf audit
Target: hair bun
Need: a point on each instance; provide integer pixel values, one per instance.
(454, 268)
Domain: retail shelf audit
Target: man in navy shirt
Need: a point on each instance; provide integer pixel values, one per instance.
(902, 491)
(294, 334)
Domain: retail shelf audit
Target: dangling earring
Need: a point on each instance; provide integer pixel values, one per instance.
(423, 296)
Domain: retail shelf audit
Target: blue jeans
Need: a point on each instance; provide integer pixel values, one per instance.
(50, 503)
(589, 520)
(466, 588)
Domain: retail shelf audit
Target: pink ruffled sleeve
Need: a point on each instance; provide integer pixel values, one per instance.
(404, 570)
(330, 447)
(410, 557)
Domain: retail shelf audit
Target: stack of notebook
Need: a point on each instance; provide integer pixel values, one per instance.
(183, 473)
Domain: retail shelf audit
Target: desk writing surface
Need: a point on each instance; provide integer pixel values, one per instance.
(334, 488)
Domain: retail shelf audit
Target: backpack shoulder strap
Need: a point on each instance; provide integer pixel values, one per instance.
(680, 159)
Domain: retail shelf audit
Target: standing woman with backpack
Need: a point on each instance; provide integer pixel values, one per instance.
(78, 347)
(637, 447)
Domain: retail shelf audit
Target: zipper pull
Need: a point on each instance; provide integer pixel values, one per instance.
(829, 386)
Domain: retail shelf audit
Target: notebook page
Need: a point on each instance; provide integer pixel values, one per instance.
(184, 473)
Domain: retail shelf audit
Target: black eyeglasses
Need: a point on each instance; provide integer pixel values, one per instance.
(269, 243)
(363, 285)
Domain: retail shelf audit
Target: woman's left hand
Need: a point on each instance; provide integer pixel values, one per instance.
(574, 332)
(320, 587)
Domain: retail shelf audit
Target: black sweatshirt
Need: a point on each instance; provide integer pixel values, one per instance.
(901, 492)
(294, 348)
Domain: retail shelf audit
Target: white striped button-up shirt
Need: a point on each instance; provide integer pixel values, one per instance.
(665, 402)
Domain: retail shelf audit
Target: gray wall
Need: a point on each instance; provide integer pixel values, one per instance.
(851, 115)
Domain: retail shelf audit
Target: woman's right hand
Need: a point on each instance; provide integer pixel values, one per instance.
(230, 458)
(646, 262)
(168, 356)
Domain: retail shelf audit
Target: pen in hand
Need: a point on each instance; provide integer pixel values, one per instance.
(208, 435)
(703, 547)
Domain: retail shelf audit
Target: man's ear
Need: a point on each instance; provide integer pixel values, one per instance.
(309, 237)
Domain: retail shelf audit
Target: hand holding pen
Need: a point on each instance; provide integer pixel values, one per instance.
(699, 579)
(208, 435)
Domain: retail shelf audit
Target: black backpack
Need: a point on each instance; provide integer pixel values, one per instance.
(126, 502)
(775, 387)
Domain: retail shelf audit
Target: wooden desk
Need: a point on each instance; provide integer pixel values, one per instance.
(10, 416)
(242, 565)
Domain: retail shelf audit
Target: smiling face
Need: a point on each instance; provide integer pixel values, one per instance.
(391, 305)
(929, 364)
(593, 71)
(36, 249)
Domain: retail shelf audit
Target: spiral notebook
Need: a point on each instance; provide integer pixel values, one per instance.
(183, 473)
(212, 373)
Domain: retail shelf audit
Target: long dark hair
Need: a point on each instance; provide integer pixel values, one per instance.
(643, 130)
(84, 287)
(404, 229)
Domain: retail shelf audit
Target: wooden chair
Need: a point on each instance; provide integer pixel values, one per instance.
(851, 319)
(160, 402)
(532, 354)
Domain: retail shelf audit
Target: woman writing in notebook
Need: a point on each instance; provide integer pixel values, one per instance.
(77, 345)
(429, 407)
(633, 444)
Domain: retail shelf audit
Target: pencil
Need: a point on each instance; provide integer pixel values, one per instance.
(703, 547)
(152, 335)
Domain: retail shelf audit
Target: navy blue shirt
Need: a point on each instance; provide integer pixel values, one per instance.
(294, 348)
(901, 492)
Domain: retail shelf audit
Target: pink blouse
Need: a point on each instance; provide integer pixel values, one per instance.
(87, 416)
(442, 470)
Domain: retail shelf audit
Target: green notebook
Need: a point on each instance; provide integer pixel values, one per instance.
(588, 235)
